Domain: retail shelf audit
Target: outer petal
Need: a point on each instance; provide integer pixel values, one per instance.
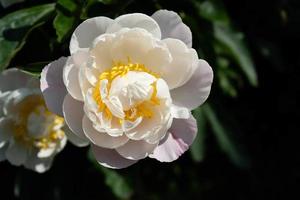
(136, 20)
(14, 78)
(16, 153)
(52, 85)
(183, 65)
(136, 149)
(71, 74)
(171, 26)
(74, 139)
(87, 31)
(73, 114)
(3, 147)
(181, 136)
(110, 158)
(5, 129)
(102, 139)
(196, 90)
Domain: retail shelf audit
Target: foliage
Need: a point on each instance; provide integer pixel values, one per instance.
(33, 33)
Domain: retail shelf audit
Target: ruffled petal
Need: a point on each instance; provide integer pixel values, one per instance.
(183, 65)
(196, 90)
(102, 139)
(87, 31)
(181, 135)
(110, 158)
(71, 74)
(135, 20)
(136, 149)
(73, 114)
(52, 85)
(171, 26)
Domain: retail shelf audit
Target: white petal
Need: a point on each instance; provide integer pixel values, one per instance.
(71, 74)
(196, 90)
(135, 20)
(180, 112)
(3, 97)
(136, 150)
(16, 153)
(52, 85)
(39, 165)
(110, 158)
(73, 114)
(74, 139)
(3, 147)
(102, 139)
(87, 31)
(14, 78)
(171, 26)
(183, 65)
(46, 153)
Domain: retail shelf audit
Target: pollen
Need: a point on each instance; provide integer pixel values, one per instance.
(37, 106)
(143, 109)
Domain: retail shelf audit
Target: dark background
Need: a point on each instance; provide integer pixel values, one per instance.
(248, 148)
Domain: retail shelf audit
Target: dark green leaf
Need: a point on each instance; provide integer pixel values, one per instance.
(235, 46)
(117, 183)
(15, 27)
(224, 139)
(198, 147)
(63, 25)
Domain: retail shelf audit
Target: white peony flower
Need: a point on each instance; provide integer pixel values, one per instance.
(129, 87)
(30, 134)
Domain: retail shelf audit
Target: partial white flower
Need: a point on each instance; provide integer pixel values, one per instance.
(30, 134)
(129, 87)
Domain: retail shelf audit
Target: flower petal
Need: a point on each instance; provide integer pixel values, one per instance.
(14, 78)
(87, 31)
(181, 136)
(16, 153)
(171, 26)
(52, 85)
(110, 158)
(3, 147)
(102, 139)
(74, 139)
(183, 65)
(71, 74)
(39, 165)
(196, 90)
(73, 114)
(136, 149)
(135, 20)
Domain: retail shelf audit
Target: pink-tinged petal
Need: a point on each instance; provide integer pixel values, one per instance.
(171, 26)
(87, 31)
(73, 114)
(136, 149)
(181, 135)
(74, 139)
(102, 139)
(52, 85)
(12, 79)
(135, 20)
(71, 74)
(110, 158)
(196, 90)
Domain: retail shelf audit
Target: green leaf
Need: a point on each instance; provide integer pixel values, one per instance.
(235, 47)
(117, 183)
(224, 139)
(198, 147)
(63, 25)
(15, 27)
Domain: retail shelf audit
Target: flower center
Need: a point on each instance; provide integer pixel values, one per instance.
(120, 69)
(37, 127)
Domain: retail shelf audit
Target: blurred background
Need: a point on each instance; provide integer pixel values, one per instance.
(246, 147)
